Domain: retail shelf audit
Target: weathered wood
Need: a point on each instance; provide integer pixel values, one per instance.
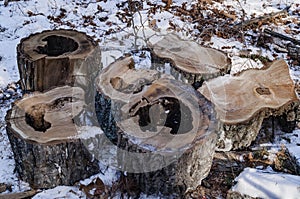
(119, 82)
(42, 133)
(56, 58)
(163, 128)
(193, 61)
(243, 101)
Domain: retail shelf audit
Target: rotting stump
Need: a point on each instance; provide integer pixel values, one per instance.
(42, 133)
(56, 58)
(164, 129)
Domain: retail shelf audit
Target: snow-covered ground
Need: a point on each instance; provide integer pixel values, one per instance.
(267, 184)
(21, 18)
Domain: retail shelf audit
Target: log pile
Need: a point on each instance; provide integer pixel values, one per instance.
(165, 130)
(57, 70)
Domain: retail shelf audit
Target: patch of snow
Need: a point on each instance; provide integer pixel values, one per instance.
(227, 142)
(267, 184)
(107, 175)
(232, 46)
(14, 19)
(61, 192)
(58, 167)
(86, 132)
(240, 64)
(293, 145)
(7, 162)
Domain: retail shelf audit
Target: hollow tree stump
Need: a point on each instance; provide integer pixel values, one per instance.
(42, 133)
(56, 58)
(164, 129)
(242, 102)
(195, 62)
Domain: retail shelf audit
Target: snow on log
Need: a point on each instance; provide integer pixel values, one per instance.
(41, 131)
(193, 61)
(164, 129)
(242, 102)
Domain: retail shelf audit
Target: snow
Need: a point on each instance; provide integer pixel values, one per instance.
(107, 175)
(267, 184)
(293, 145)
(61, 192)
(7, 162)
(86, 132)
(240, 64)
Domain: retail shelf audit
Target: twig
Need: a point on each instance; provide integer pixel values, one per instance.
(5, 3)
(263, 18)
(281, 36)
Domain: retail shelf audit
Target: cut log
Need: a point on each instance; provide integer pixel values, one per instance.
(165, 131)
(56, 58)
(193, 61)
(242, 102)
(41, 131)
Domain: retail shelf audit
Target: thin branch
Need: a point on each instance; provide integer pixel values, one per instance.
(263, 18)
(281, 36)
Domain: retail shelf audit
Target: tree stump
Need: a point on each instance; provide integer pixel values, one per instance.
(193, 61)
(56, 58)
(41, 130)
(164, 129)
(242, 102)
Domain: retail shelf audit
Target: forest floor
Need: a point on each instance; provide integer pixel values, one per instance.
(245, 29)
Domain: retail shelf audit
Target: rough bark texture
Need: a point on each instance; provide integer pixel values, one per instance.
(294, 51)
(57, 58)
(164, 129)
(242, 102)
(42, 133)
(194, 62)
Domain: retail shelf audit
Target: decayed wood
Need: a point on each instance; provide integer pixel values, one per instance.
(242, 102)
(56, 58)
(121, 81)
(192, 60)
(160, 118)
(41, 131)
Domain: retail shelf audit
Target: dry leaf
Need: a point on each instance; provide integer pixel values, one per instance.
(168, 3)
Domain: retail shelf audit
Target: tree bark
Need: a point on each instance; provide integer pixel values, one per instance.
(42, 133)
(164, 129)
